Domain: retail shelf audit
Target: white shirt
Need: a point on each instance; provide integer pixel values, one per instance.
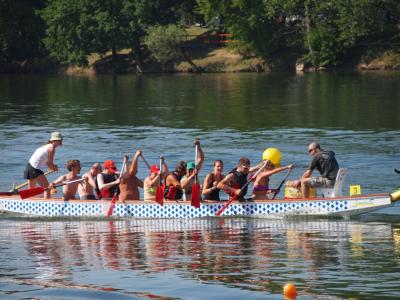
(40, 157)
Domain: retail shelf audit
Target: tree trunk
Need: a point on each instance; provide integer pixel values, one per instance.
(308, 24)
(138, 58)
(114, 54)
(186, 57)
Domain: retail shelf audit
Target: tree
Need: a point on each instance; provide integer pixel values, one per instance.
(166, 44)
(21, 29)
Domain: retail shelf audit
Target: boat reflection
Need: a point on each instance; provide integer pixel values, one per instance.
(250, 253)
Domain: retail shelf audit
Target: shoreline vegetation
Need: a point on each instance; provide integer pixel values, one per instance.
(198, 36)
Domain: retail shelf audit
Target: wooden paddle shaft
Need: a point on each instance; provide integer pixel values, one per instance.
(26, 183)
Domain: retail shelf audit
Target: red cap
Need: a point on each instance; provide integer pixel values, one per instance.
(154, 169)
(110, 166)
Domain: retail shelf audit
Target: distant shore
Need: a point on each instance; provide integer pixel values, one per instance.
(217, 60)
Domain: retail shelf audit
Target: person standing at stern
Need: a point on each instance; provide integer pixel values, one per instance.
(43, 157)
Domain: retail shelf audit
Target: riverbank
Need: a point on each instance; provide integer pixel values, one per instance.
(207, 59)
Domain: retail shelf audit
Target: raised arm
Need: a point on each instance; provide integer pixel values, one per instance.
(134, 164)
(200, 158)
(164, 167)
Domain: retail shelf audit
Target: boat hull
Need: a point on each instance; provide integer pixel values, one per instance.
(343, 207)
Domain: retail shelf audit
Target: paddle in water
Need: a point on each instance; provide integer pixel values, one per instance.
(196, 188)
(243, 187)
(397, 171)
(39, 190)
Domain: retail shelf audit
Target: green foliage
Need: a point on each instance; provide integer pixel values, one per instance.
(21, 29)
(164, 42)
(320, 32)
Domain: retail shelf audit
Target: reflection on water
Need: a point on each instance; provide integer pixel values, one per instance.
(209, 101)
(346, 259)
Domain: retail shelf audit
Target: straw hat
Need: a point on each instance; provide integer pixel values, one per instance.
(56, 136)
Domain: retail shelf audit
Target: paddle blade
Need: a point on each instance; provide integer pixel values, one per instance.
(31, 192)
(196, 195)
(160, 195)
(112, 204)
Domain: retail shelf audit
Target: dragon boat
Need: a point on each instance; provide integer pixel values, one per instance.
(335, 206)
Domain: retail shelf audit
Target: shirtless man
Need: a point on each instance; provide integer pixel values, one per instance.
(129, 183)
(87, 190)
(69, 190)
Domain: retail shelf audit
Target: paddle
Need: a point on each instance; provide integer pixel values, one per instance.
(16, 188)
(246, 184)
(196, 188)
(397, 171)
(145, 161)
(115, 197)
(38, 190)
(159, 191)
(280, 186)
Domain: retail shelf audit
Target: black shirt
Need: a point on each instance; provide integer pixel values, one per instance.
(326, 163)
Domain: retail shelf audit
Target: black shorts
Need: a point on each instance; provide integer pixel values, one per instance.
(31, 172)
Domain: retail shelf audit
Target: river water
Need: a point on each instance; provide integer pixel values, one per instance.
(105, 117)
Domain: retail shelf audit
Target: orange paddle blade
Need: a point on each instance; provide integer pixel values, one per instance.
(31, 192)
(195, 195)
(112, 204)
(160, 195)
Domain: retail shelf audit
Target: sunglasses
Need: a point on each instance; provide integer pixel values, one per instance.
(310, 150)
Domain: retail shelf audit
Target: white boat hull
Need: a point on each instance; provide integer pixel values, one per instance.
(341, 206)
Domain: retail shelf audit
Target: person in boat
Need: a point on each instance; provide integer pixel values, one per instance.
(129, 183)
(174, 185)
(325, 162)
(108, 180)
(43, 157)
(190, 168)
(69, 190)
(210, 189)
(272, 159)
(237, 179)
(261, 189)
(87, 190)
(153, 181)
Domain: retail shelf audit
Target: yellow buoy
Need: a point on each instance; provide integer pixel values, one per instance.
(290, 291)
(273, 155)
(395, 195)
